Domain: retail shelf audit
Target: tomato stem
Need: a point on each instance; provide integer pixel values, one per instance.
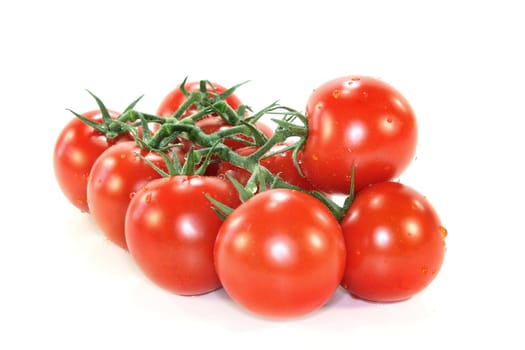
(202, 104)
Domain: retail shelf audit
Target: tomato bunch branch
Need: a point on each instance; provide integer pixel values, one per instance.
(182, 125)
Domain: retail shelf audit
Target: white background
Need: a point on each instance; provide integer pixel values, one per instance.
(459, 63)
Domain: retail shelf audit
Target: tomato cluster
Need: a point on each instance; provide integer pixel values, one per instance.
(204, 195)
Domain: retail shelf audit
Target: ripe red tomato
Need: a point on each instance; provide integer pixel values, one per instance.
(76, 149)
(280, 164)
(395, 243)
(115, 177)
(171, 229)
(280, 254)
(361, 121)
(175, 98)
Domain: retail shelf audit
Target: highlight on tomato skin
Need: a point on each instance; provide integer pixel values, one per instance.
(361, 122)
(395, 243)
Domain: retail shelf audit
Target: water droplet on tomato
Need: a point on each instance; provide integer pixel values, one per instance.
(365, 94)
(357, 252)
(350, 82)
(147, 198)
(123, 155)
(131, 195)
(443, 232)
(389, 120)
(315, 157)
(424, 270)
(336, 93)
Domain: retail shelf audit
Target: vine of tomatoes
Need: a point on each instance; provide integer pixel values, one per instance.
(204, 194)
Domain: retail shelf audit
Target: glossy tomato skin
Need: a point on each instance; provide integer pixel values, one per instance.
(361, 121)
(175, 98)
(280, 254)
(77, 147)
(279, 164)
(115, 177)
(395, 243)
(171, 229)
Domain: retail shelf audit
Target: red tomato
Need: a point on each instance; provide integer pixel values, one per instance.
(280, 254)
(171, 228)
(280, 164)
(395, 243)
(359, 121)
(115, 177)
(76, 149)
(175, 98)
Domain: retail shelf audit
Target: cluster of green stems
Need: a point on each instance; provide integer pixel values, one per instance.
(182, 124)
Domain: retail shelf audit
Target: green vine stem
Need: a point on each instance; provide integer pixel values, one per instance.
(180, 126)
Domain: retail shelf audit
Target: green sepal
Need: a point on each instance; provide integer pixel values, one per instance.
(222, 210)
(207, 159)
(100, 127)
(351, 195)
(244, 193)
(189, 164)
(336, 210)
(258, 136)
(223, 95)
(298, 146)
(132, 105)
(151, 164)
(106, 117)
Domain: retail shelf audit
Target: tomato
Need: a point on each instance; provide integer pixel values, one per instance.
(175, 98)
(171, 228)
(280, 164)
(115, 177)
(395, 243)
(76, 149)
(357, 121)
(280, 254)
